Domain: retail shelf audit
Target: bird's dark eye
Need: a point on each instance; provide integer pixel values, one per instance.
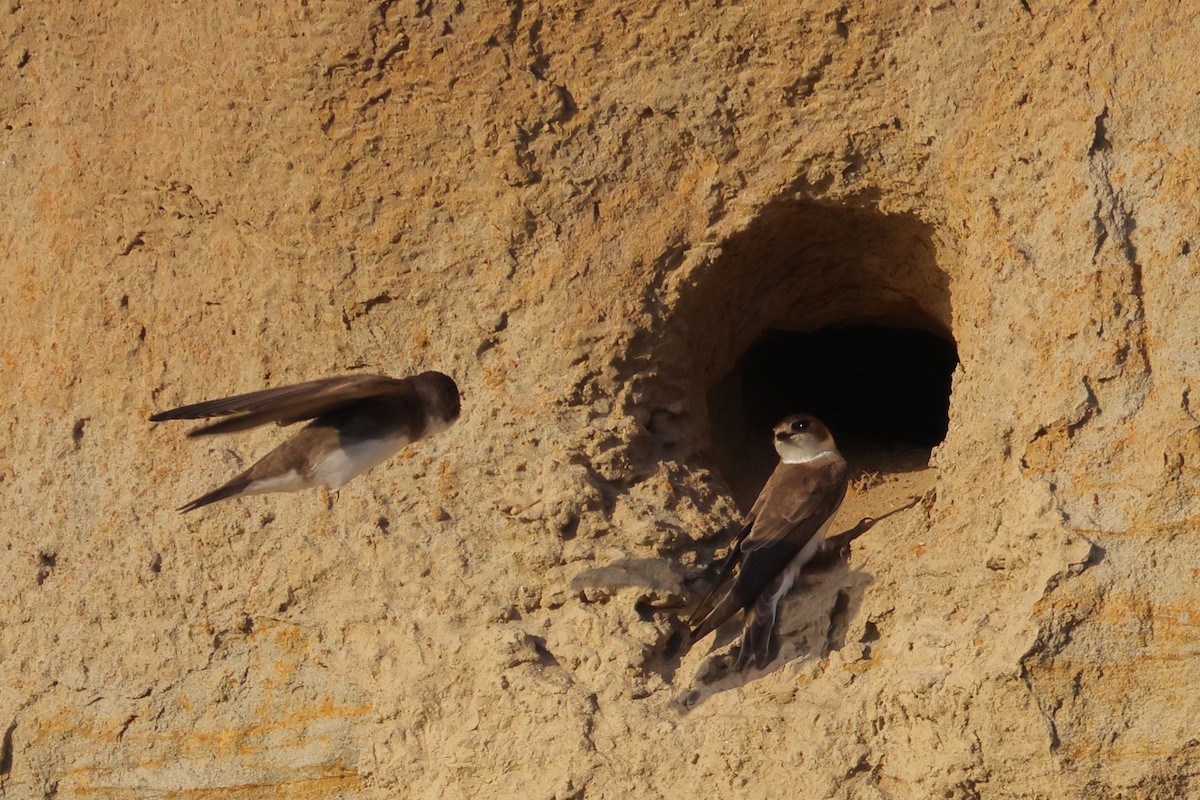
(801, 425)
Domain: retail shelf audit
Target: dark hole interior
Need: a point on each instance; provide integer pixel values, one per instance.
(871, 384)
(878, 388)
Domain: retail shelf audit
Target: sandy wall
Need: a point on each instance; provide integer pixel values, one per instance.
(586, 213)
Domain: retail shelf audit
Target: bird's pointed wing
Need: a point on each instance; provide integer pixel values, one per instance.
(791, 509)
(283, 405)
(699, 613)
(794, 503)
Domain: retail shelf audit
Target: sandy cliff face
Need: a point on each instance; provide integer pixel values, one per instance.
(588, 213)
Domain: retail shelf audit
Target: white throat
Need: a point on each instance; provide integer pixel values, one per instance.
(792, 453)
(435, 423)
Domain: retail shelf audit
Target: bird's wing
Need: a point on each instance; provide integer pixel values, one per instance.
(723, 573)
(790, 510)
(794, 503)
(284, 405)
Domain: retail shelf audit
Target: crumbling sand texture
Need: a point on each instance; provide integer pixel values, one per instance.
(586, 212)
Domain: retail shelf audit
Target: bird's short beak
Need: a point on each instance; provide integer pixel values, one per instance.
(781, 435)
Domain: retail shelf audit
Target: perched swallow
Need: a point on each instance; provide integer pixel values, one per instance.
(784, 529)
(358, 421)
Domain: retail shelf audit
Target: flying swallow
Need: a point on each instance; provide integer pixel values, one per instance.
(784, 529)
(358, 421)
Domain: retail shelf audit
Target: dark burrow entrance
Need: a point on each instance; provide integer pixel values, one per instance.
(883, 391)
(843, 312)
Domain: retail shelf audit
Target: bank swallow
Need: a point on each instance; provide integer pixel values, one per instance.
(358, 421)
(784, 529)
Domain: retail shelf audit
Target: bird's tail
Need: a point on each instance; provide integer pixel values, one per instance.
(729, 605)
(231, 489)
(704, 620)
(756, 634)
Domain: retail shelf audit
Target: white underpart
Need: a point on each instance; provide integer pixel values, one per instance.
(291, 481)
(791, 452)
(792, 570)
(338, 467)
(342, 464)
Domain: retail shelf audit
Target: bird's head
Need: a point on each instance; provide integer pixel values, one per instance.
(441, 395)
(802, 437)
